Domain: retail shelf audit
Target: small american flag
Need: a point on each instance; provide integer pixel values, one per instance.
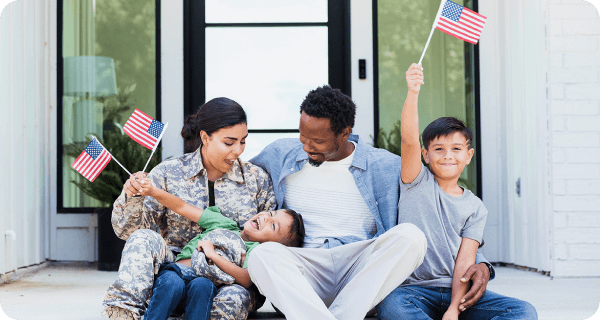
(461, 22)
(144, 129)
(92, 160)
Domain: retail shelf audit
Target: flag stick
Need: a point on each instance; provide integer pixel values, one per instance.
(155, 146)
(437, 17)
(112, 156)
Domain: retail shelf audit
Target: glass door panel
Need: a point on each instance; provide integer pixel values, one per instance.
(403, 28)
(268, 71)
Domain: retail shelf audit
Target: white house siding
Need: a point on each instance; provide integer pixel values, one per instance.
(514, 132)
(574, 91)
(27, 131)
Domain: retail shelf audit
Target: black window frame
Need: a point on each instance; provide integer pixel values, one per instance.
(59, 115)
(472, 73)
(194, 26)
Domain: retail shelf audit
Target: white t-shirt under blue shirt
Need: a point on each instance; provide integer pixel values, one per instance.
(445, 220)
(330, 203)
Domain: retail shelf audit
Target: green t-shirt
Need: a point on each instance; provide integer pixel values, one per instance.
(212, 219)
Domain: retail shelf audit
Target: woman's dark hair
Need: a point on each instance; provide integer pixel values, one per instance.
(445, 126)
(215, 114)
(333, 104)
(297, 232)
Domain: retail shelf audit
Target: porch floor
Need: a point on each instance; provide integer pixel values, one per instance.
(75, 291)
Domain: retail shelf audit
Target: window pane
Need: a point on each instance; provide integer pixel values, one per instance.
(268, 71)
(244, 11)
(107, 73)
(403, 29)
(258, 141)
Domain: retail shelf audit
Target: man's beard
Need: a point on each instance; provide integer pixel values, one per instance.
(314, 163)
(318, 163)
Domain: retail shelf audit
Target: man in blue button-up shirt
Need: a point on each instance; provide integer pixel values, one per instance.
(347, 193)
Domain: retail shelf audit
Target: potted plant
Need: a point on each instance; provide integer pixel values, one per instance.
(108, 185)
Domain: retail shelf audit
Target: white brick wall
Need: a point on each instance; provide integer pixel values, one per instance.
(573, 31)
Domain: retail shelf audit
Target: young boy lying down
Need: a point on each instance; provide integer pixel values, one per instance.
(283, 226)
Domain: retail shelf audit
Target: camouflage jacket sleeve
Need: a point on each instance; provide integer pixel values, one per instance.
(133, 213)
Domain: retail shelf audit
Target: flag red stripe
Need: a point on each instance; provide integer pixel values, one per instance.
(476, 25)
(87, 166)
(453, 30)
(461, 27)
(139, 138)
(458, 32)
(86, 160)
(76, 162)
(475, 15)
(140, 134)
(144, 122)
(141, 114)
(137, 127)
(134, 126)
(458, 36)
(104, 160)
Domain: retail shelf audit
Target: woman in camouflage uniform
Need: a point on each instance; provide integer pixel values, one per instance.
(214, 139)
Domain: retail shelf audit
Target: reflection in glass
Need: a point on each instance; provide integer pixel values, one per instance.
(109, 60)
(258, 141)
(403, 28)
(265, 11)
(268, 71)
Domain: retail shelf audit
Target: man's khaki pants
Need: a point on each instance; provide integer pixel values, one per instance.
(344, 282)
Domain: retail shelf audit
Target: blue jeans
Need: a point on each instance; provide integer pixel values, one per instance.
(178, 288)
(418, 302)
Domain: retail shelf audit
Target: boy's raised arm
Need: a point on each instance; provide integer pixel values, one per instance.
(409, 126)
(170, 201)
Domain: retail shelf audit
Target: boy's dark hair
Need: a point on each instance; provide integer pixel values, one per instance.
(326, 102)
(297, 232)
(445, 126)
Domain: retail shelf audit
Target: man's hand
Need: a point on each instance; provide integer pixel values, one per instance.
(479, 275)
(132, 186)
(414, 78)
(208, 248)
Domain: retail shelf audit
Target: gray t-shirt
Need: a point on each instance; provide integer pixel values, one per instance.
(445, 220)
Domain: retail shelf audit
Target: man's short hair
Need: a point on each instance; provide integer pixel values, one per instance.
(446, 126)
(297, 232)
(326, 102)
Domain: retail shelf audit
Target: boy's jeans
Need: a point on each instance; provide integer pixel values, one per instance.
(418, 302)
(178, 288)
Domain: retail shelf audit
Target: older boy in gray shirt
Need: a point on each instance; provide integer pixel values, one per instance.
(451, 217)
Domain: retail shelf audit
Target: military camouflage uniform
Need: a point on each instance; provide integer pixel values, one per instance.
(153, 232)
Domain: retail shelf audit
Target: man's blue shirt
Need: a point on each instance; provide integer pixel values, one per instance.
(376, 173)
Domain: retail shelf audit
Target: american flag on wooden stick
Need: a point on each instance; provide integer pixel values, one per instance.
(92, 160)
(144, 129)
(461, 22)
